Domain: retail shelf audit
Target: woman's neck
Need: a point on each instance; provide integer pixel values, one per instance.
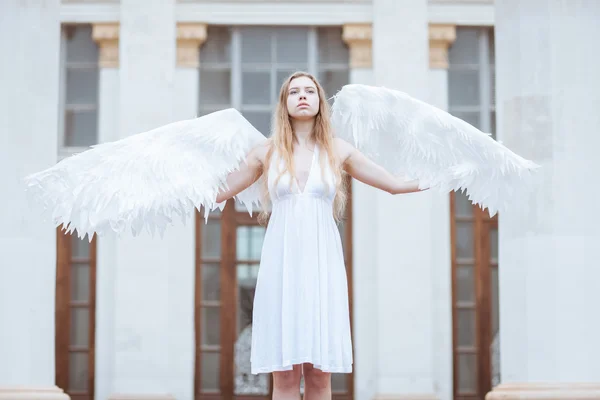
(303, 131)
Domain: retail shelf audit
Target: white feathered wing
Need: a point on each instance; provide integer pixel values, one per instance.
(419, 141)
(146, 180)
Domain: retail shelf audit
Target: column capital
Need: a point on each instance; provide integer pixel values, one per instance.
(190, 37)
(441, 36)
(359, 38)
(106, 35)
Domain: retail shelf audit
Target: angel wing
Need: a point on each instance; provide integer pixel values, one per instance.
(143, 181)
(410, 137)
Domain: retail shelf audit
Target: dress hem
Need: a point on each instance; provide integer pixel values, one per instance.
(287, 366)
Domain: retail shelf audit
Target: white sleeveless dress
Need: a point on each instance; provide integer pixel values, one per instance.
(301, 312)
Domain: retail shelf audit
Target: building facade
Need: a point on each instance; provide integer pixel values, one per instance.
(170, 318)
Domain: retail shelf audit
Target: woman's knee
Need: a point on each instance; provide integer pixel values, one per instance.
(287, 380)
(315, 378)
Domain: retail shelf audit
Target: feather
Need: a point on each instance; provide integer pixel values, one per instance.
(412, 138)
(146, 180)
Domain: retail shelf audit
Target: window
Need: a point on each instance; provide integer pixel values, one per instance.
(79, 75)
(474, 234)
(75, 315)
(76, 258)
(244, 67)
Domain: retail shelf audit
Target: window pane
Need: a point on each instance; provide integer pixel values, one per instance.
(245, 382)
(246, 277)
(210, 372)
(467, 373)
(494, 245)
(80, 282)
(80, 45)
(464, 239)
(332, 49)
(80, 248)
(495, 300)
(78, 371)
(339, 383)
(466, 327)
(256, 45)
(465, 49)
(256, 88)
(249, 242)
(82, 86)
(80, 326)
(211, 325)
(472, 118)
(292, 45)
(462, 205)
(260, 120)
(465, 283)
(211, 239)
(463, 87)
(333, 81)
(217, 48)
(211, 282)
(80, 128)
(215, 87)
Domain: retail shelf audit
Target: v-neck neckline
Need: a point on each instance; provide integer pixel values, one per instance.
(310, 170)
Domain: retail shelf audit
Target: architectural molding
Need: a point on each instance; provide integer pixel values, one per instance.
(106, 35)
(549, 391)
(276, 13)
(190, 37)
(359, 37)
(270, 12)
(32, 393)
(441, 36)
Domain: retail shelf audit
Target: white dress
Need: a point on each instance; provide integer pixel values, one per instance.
(301, 312)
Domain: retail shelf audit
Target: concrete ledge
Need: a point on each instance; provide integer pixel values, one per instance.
(32, 393)
(401, 396)
(545, 391)
(141, 397)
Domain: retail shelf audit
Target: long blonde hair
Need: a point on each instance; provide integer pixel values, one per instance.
(282, 140)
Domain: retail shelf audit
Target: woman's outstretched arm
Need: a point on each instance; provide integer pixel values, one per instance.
(363, 169)
(248, 173)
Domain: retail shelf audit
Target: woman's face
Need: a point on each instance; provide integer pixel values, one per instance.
(303, 98)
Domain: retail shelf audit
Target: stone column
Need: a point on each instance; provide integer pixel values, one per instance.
(153, 332)
(190, 37)
(358, 37)
(441, 38)
(106, 35)
(29, 47)
(547, 84)
(406, 226)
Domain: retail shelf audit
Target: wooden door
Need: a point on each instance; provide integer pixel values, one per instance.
(75, 315)
(474, 297)
(227, 260)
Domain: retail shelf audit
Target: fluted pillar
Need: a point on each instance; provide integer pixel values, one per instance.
(29, 48)
(548, 100)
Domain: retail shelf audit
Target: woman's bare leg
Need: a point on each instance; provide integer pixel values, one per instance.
(286, 384)
(317, 384)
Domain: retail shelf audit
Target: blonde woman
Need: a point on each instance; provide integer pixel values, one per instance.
(301, 317)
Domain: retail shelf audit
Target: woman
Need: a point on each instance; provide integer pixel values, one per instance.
(301, 318)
